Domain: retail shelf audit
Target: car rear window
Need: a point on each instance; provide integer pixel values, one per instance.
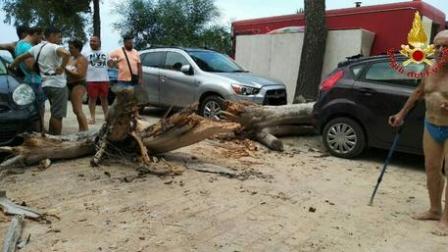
(383, 72)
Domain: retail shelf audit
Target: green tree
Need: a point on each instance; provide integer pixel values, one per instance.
(68, 15)
(187, 23)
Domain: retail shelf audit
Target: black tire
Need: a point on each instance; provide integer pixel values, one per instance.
(344, 137)
(210, 102)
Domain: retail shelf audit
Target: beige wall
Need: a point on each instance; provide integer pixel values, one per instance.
(278, 55)
(427, 25)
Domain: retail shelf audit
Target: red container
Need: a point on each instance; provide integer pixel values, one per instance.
(390, 22)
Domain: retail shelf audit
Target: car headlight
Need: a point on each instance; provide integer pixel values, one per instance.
(244, 90)
(23, 95)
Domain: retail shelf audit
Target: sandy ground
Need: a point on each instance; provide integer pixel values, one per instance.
(299, 200)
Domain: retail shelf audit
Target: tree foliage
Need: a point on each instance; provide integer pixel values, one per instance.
(68, 15)
(188, 23)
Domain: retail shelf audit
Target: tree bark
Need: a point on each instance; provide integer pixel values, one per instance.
(313, 51)
(96, 19)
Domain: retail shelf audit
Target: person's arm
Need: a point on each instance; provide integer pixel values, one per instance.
(397, 119)
(65, 55)
(81, 69)
(140, 74)
(29, 63)
(20, 59)
(110, 63)
(10, 47)
(113, 59)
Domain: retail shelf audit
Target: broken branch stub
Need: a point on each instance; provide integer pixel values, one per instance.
(11, 208)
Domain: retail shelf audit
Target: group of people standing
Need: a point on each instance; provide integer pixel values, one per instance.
(58, 74)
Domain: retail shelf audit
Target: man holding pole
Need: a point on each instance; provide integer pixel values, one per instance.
(434, 89)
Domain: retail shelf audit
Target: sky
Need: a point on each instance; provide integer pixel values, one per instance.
(230, 10)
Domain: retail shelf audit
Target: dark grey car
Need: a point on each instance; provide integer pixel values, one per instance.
(18, 112)
(357, 98)
(179, 77)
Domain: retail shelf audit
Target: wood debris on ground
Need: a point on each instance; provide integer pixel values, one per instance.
(235, 148)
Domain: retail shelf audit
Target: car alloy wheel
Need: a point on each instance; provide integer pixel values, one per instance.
(211, 107)
(343, 137)
(211, 110)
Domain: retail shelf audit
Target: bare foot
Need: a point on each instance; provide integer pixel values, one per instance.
(442, 229)
(92, 121)
(428, 215)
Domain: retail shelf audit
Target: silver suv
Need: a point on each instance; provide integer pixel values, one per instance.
(179, 77)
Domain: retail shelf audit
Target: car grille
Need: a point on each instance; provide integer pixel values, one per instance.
(275, 97)
(4, 108)
(8, 132)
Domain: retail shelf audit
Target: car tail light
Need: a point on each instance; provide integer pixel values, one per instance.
(331, 80)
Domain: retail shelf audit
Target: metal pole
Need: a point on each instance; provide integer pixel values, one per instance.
(386, 163)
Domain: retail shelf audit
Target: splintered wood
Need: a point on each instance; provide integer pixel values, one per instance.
(235, 148)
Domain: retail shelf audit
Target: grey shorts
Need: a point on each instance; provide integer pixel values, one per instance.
(58, 98)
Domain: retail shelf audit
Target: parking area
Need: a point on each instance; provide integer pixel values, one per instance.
(299, 200)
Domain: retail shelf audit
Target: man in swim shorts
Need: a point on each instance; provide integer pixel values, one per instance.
(434, 89)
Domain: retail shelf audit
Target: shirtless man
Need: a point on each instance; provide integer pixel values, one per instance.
(434, 89)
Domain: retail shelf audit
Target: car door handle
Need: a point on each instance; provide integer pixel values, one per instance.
(162, 78)
(367, 91)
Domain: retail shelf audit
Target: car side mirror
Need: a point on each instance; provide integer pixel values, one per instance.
(187, 69)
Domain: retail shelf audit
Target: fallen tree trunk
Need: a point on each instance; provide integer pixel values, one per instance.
(181, 129)
(36, 148)
(123, 130)
(266, 123)
(126, 131)
(254, 117)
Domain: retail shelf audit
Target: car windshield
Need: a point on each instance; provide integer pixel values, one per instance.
(215, 62)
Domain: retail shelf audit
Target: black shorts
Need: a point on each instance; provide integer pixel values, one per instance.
(72, 85)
